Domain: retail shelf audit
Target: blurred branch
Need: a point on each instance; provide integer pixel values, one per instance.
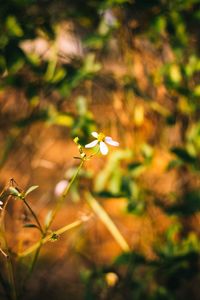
(104, 217)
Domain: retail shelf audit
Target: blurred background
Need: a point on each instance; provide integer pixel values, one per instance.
(130, 69)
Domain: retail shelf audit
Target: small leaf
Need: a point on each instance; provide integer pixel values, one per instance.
(14, 192)
(31, 189)
(30, 226)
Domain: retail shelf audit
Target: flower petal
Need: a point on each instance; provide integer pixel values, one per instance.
(92, 144)
(110, 141)
(94, 134)
(103, 148)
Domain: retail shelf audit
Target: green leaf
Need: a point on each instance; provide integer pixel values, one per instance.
(30, 226)
(184, 155)
(174, 164)
(31, 189)
(14, 192)
(13, 27)
(188, 205)
(14, 56)
(130, 258)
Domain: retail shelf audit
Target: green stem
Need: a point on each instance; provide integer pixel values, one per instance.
(37, 247)
(46, 239)
(33, 263)
(55, 211)
(9, 265)
(63, 196)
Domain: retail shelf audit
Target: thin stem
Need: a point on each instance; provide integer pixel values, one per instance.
(49, 236)
(5, 286)
(34, 215)
(11, 277)
(38, 245)
(4, 253)
(33, 263)
(63, 196)
(9, 265)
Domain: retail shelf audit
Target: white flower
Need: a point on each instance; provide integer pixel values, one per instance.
(1, 203)
(101, 139)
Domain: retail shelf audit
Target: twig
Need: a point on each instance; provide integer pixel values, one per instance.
(104, 217)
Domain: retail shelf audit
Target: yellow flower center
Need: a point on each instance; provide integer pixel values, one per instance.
(101, 137)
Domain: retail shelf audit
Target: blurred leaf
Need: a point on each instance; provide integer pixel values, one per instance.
(62, 119)
(59, 75)
(2, 65)
(90, 65)
(108, 194)
(42, 115)
(175, 269)
(95, 41)
(13, 27)
(136, 207)
(174, 164)
(33, 59)
(113, 166)
(174, 74)
(138, 115)
(115, 182)
(30, 226)
(147, 152)
(31, 189)
(183, 155)
(136, 168)
(196, 91)
(8, 146)
(189, 204)
(15, 57)
(81, 105)
(130, 258)
(160, 24)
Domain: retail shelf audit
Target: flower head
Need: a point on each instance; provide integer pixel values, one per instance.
(101, 140)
